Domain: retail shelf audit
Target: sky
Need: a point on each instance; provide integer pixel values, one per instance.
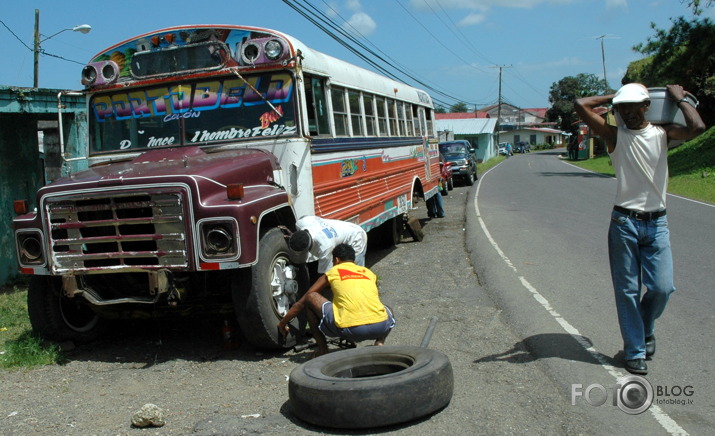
(460, 48)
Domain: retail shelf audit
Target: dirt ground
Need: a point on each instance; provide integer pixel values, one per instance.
(204, 389)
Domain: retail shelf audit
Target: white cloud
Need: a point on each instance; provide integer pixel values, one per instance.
(362, 23)
(478, 9)
(616, 4)
(472, 19)
(353, 5)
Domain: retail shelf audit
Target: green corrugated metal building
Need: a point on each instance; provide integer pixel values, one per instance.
(30, 152)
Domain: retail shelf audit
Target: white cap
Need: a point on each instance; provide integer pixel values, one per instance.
(631, 93)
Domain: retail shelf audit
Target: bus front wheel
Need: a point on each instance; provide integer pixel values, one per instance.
(265, 292)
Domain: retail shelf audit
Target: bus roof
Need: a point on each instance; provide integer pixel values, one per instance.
(341, 73)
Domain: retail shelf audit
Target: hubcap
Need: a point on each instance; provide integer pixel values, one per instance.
(284, 285)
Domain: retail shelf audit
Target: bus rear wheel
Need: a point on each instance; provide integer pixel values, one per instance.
(263, 294)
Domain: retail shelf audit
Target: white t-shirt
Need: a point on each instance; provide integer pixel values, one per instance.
(327, 234)
(640, 161)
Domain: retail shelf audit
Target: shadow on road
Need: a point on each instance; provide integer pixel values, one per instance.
(585, 174)
(542, 346)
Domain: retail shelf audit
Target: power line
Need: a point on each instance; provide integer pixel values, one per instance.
(40, 50)
(325, 23)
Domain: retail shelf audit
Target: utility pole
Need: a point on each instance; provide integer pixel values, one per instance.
(501, 67)
(37, 48)
(603, 60)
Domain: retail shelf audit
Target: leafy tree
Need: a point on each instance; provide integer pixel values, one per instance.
(563, 94)
(697, 5)
(440, 109)
(684, 54)
(459, 107)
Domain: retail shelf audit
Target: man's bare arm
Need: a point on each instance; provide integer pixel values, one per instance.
(694, 125)
(585, 109)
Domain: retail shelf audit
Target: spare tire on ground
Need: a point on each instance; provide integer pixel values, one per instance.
(371, 386)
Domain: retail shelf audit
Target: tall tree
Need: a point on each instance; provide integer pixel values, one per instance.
(563, 94)
(684, 54)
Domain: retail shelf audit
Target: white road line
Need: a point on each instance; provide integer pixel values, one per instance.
(663, 418)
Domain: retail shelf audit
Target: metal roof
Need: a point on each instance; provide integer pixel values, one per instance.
(474, 126)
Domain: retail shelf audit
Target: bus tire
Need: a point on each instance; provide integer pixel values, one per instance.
(59, 318)
(264, 292)
(387, 234)
(371, 387)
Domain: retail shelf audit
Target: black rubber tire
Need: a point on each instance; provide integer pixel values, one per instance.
(58, 318)
(469, 180)
(387, 234)
(450, 184)
(371, 387)
(253, 301)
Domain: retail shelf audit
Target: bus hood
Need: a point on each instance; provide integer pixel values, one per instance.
(246, 166)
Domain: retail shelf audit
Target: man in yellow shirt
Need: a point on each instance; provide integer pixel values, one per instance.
(356, 312)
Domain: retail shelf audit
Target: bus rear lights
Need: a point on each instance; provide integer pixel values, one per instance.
(263, 50)
(100, 73)
(234, 191)
(30, 248)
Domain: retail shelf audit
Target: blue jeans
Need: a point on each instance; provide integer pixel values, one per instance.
(640, 256)
(435, 207)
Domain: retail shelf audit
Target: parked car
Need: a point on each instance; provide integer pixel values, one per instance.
(445, 169)
(503, 147)
(522, 147)
(461, 154)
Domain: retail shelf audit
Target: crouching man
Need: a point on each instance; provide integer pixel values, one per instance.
(356, 312)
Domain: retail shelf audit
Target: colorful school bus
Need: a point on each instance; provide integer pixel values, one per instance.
(204, 141)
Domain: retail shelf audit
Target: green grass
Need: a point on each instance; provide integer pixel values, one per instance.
(691, 166)
(485, 166)
(19, 347)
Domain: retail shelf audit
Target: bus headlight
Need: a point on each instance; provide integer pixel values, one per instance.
(100, 73)
(251, 53)
(273, 49)
(29, 248)
(219, 239)
(264, 51)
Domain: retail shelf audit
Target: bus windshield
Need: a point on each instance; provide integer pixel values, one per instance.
(193, 113)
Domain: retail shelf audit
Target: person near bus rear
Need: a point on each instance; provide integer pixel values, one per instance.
(356, 312)
(638, 236)
(317, 237)
(435, 205)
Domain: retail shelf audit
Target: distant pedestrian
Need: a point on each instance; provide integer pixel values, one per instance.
(638, 236)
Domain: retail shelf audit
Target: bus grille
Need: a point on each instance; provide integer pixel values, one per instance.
(124, 232)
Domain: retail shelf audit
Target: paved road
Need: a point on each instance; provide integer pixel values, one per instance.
(546, 224)
(514, 356)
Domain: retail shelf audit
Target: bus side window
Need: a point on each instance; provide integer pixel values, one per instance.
(381, 115)
(355, 113)
(317, 107)
(340, 112)
(392, 112)
(416, 125)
